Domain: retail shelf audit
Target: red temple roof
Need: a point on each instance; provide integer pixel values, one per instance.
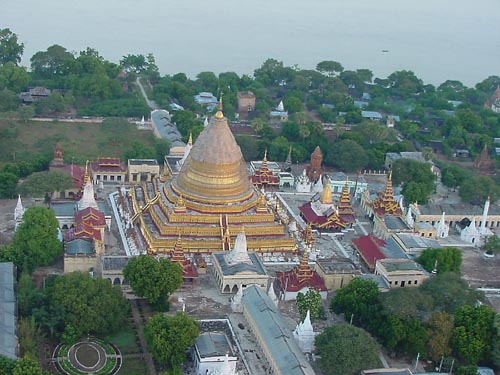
(90, 216)
(300, 277)
(369, 249)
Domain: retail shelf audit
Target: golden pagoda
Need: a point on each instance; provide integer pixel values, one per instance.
(211, 193)
(386, 204)
(345, 210)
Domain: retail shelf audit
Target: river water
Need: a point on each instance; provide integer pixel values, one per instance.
(437, 39)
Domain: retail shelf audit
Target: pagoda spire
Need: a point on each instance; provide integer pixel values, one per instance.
(88, 198)
(326, 194)
(303, 271)
(219, 114)
(178, 252)
(18, 212)
(190, 141)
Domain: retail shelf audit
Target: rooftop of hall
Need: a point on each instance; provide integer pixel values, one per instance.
(463, 209)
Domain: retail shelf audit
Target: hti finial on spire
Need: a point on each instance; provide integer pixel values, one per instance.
(219, 114)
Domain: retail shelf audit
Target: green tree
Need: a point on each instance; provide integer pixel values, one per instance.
(358, 301)
(27, 366)
(6, 365)
(13, 77)
(473, 333)
(450, 292)
(492, 244)
(39, 183)
(249, 146)
(168, 338)
(330, 68)
(153, 279)
(28, 332)
(310, 301)
(476, 190)
(407, 303)
(8, 183)
(50, 63)
(440, 331)
(134, 63)
(340, 155)
(448, 259)
(35, 242)
(346, 350)
(453, 175)
(90, 306)
(405, 83)
(10, 49)
(293, 104)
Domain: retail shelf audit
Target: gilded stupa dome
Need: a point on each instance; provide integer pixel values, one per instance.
(214, 172)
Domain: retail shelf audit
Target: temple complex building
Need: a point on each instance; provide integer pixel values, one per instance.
(320, 212)
(207, 203)
(237, 269)
(76, 172)
(263, 176)
(299, 280)
(108, 170)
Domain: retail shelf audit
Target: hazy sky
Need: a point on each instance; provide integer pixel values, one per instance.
(438, 39)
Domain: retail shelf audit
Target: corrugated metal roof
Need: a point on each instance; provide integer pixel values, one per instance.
(276, 336)
(8, 339)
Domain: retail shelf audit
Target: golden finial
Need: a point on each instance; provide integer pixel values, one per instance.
(390, 175)
(190, 141)
(219, 115)
(86, 177)
(265, 155)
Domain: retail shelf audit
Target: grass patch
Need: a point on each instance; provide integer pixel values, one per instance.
(80, 141)
(132, 366)
(125, 340)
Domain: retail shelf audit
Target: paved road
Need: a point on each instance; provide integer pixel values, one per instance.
(151, 104)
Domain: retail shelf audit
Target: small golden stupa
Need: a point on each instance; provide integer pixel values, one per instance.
(208, 202)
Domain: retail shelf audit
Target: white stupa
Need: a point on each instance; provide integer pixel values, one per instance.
(205, 123)
(304, 334)
(88, 199)
(236, 301)
(239, 254)
(318, 186)
(442, 229)
(470, 234)
(280, 107)
(303, 184)
(18, 212)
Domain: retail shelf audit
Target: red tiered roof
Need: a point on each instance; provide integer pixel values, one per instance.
(83, 230)
(263, 175)
(91, 216)
(188, 270)
(301, 277)
(386, 204)
(328, 221)
(369, 249)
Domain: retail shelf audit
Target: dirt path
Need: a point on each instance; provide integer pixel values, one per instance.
(139, 323)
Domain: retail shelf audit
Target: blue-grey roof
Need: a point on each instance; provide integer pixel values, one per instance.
(392, 249)
(360, 104)
(395, 223)
(212, 344)
(278, 113)
(79, 246)
(379, 280)
(68, 208)
(416, 242)
(277, 338)
(233, 269)
(8, 341)
(166, 129)
(371, 114)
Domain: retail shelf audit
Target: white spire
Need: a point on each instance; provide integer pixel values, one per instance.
(409, 218)
(280, 107)
(485, 215)
(88, 199)
(239, 254)
(304, 334)
(272, 294)
(442, 229)
(18, 212)
(205, 123)
(142, 121)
